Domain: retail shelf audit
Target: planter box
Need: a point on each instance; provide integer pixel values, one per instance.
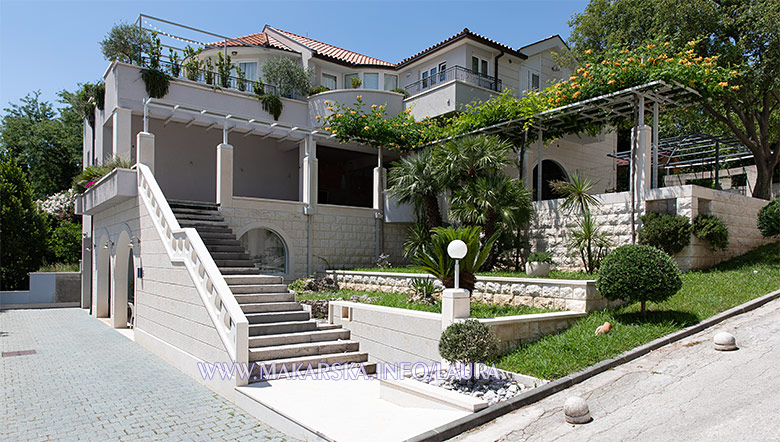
(537, 268)
(117, 187)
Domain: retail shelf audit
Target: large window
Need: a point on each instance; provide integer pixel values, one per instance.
(371, 81)
(266, 249)
(249, 70)
(479, 66)
(391, 82)
(329, 81)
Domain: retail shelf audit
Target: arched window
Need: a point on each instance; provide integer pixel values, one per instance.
(266, 249)
(551, 171)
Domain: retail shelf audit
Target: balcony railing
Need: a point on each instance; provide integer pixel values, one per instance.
(455, 73)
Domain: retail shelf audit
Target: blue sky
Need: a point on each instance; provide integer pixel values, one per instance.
(53, 45)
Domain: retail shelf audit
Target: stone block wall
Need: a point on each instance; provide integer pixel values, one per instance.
(512, 331)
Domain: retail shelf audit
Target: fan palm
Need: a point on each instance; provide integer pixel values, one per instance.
(416, 180)
(465, 158)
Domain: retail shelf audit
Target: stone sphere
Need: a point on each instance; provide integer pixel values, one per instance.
(724, 341)
(576, 410)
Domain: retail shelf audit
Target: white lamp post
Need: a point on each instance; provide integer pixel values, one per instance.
(457, 250)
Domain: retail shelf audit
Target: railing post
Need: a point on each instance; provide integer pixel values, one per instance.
(455, 304)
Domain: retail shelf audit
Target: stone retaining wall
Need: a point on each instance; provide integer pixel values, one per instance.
(571, 295)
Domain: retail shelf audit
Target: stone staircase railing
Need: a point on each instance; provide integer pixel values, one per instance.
(185, 245)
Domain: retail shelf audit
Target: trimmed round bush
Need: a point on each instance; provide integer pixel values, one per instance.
(468, 342)
(670, 233)
(638, 273)
(769, 219)
(712, 229)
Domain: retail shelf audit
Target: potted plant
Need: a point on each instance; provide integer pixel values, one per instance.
(538, 264)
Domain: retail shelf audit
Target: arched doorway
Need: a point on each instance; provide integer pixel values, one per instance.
(551, 171)
(266, 249)
(103, 278)
(122, 275)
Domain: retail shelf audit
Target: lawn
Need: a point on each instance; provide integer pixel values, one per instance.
(554, 274)
(703, 294)
(398, 300)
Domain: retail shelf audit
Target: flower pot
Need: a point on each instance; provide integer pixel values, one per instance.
(537, 268)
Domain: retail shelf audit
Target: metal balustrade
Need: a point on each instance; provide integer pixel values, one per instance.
(454, 73)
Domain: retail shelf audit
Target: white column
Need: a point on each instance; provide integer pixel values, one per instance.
(654, 176)
(309, 168)
(225, 175)
(122, 135)
(455, 304)
(643, 162)
(539, 168)
(144, 145)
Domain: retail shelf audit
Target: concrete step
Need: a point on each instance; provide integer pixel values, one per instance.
(229, 255)
(225, 249)
(302, 350)
(254, 279)
(190, 214)
(239, 271)
(257, 288)
(326, 326)
(313, 362)
(298, 338)
(218, 235)
(198, 223)
(266, 318)
(221, 242)
(234, 262)
(264, 297)
(276, 328)
(269, 307)
(198, 205)
(209, 229)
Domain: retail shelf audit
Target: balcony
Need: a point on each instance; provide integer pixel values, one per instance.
(458, 73)
(117, 187)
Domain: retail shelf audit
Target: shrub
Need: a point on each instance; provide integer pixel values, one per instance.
(540, 257)
(468, 342)
(155, 79)
(712, 229)
(224, 67)
(355, 82)
(126, 43)
(670, 233)
(272, 104)
(400, 91)
(208, 76)
(288, 76)
(318, 89)
(65, 243)
(769, 219)
(423, 290)
(640, 273)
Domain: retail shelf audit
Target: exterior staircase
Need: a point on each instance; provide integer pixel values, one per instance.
(282, 336)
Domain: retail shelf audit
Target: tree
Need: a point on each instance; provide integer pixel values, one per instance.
(466, 158)
(48, 147)
(288, 76)
(415, 179)
(743, 34)
(23, 232)
(126, 43)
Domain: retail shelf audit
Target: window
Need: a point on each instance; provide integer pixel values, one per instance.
(391, 82)
(434, 75)
(479, 66)
(329, 81)
(371, 81)
(442, 71)
(348, 80)
(534, 80)
(266, 249)
(249, 70)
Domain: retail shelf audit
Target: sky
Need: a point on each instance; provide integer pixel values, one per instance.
(54, 45)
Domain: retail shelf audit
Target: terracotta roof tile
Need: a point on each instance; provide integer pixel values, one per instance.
(335, 52)
(258, 39)
(462, 34)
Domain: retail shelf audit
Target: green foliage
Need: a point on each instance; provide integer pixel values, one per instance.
(318, 89)
(192, 64)
(435, 260)
(416, 179)
(712, 229)
(639, 273)
(465, 158)
(417, 236)
(126, 43)
(670, 233)
(175, 66)
(355, 82)
(82, 103)
(59, 267)
(258, 88)
(208, 75)
(224, 66)
(288, 76)
(468, 342)
(92, 174)
(769, 219)
(400, 91)
(64, 243)
(272, 104)
(424, 289)
(540, 257)
(155, 78)
(577, 193)
(241, 80)
(23, 236)
(47, 146)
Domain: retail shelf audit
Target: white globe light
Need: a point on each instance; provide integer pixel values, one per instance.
(457, 249)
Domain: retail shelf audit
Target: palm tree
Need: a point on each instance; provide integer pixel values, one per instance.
(416, 180)
(577, 193)
(466, 158)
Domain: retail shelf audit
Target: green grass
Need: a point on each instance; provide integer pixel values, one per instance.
(59, 268)
(554, 274)
(703, 294)
(398, 300)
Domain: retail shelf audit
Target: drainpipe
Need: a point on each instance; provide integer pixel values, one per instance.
(495, 70)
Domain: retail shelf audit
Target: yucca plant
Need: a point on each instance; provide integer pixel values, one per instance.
(435, 260)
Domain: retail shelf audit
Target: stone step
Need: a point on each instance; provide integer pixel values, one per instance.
(234, 263)
(203, 223)
(266, 318)
(298, 338)
(269, 307)
(257, 288)
(213, 249)
(239, 271)
(302, 350)
(209, 229)
(221, 242)
(254, 279)
(229, 255)
(326, 326)
(218, 235)
(196, 215)
(264, 297)
(276, 328)
(198, 205)
(313, 362)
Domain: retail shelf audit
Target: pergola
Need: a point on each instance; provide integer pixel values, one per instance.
(631, 104)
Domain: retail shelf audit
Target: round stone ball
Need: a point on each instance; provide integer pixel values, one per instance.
(724, 341)
(576, 410)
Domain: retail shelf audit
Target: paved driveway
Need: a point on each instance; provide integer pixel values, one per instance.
(686, 391)
(86, 381)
